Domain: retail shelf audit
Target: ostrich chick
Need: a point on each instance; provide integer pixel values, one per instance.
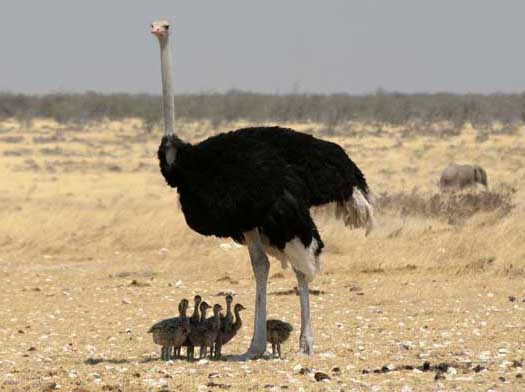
(205, 333)
(194, 321)
(278, 332)
(171, 333)
(225, 336)
(197, 332)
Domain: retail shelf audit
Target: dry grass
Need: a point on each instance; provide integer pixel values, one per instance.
(84, 212)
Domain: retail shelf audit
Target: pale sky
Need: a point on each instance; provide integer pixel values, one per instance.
(266, 46)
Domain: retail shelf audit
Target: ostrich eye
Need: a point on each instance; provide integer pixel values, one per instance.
(167, 27)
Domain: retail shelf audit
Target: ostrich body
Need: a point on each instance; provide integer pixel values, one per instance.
(256, 185)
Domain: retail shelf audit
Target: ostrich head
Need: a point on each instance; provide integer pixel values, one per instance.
(238, 308)
(161, 29)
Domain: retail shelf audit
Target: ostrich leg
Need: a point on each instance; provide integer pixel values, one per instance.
(261, 268)
(306, 340)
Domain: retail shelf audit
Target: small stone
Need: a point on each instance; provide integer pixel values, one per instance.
(406, 388)
(519, 375)
(126, 301)
(305, 371)
(320, 376)
(439, 376)
(479, 368)
(297, 368)
(49, 387)
(452, 371)
(502, 379)
(512, 298)
(336, 370)
(212, 384)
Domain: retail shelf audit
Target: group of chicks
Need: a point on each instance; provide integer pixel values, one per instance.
(208, 332)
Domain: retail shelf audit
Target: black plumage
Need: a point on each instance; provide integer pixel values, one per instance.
(266, 178)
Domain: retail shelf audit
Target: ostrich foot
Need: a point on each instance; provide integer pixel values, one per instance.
(306, 345)
(254, 352)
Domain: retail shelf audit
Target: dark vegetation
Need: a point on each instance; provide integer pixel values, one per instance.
(393, 108)
(452, 206)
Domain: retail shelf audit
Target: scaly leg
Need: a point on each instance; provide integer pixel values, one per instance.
(306, 341)
(261, 268)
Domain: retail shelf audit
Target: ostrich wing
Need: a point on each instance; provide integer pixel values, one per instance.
(324, 167)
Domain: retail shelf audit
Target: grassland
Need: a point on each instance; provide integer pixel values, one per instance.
(93, 249)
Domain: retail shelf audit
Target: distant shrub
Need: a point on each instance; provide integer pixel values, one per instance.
(452, 206)
(416, 111)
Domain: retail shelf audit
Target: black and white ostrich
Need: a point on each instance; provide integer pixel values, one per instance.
(256, 185)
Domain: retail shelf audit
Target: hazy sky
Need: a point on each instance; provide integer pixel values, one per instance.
(267, 46)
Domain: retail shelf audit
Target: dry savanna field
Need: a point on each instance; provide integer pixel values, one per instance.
(94, 249)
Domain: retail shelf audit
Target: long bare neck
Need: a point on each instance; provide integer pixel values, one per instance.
(168, 102)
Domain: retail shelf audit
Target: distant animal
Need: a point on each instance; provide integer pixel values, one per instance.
(457, 177)
(229, 332)
(256, 186)
(278, 332)
(171, 333)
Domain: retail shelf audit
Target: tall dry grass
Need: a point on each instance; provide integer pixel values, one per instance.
(99, 197)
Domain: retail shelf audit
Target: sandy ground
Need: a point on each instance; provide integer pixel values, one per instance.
(93, 250)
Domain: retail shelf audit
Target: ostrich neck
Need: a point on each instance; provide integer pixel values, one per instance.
(238, 322)
(168, 102)
(196, 312)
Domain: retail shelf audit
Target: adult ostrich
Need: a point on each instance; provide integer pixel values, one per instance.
(256, 185)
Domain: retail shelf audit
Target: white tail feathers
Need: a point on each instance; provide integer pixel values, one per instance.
(357, 211)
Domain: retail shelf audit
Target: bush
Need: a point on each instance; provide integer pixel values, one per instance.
(416, 110)
(452, 206)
